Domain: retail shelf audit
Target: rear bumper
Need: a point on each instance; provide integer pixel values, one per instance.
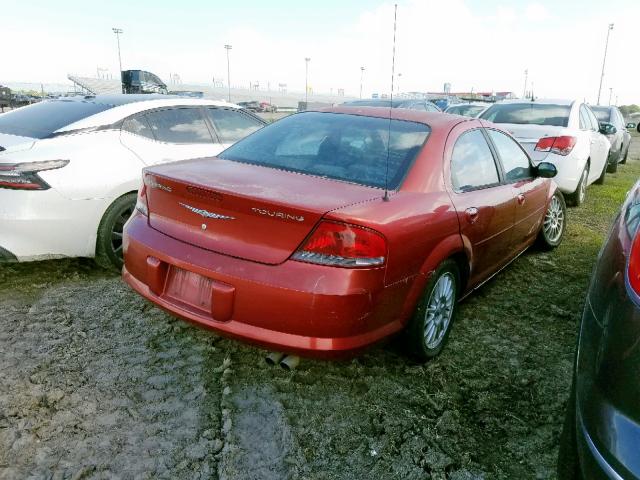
(294, 307)
(569, 171)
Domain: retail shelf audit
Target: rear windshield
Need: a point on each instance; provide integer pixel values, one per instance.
(602, 113)
(40, 120)
(528, 113)
(345, 147)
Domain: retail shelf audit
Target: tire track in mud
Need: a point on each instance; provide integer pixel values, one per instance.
(96, 383)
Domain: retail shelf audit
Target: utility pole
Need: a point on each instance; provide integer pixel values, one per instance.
(361, 74)
(118, 31)
(610, 94)
(606, 45)
(526, 77)
(306, 82)
(227, 48)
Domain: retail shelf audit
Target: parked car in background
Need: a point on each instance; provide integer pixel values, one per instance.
(267, 107)
(328, 231)
(187, 93)
(601, 434)
(71, 167)
(467, 109)
(619, 137)
(563, 132)
(411, 104)
(5, 97)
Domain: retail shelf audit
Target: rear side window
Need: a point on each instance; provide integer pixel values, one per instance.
(595, 125)
(585, 123)
(138, 125)
(42, 119)
(351, 148)
(514, 161)
(232, 125)
(528, 113)
(472, 163)
(179, 125)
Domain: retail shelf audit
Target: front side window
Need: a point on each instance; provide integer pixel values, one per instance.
(138, 125)
(232, 125)
(514, 161)
(179, 125)
(472, 163)
(353, 148)
(528, 113)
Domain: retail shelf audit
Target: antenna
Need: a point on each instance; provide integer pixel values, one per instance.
(393, 73)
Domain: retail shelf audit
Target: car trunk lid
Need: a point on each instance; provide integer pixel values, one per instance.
(246, 211)
(529, 134)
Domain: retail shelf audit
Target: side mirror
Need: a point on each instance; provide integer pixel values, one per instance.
(607, 128)
(631, 125)
(546, 170)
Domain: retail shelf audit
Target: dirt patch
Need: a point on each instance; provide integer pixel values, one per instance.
(96, 383)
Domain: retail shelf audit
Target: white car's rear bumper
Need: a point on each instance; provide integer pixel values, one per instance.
(569, 169)
(41, 224)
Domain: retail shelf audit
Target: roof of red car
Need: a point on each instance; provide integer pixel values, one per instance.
(433, 119)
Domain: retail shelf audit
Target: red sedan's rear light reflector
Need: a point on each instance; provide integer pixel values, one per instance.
(633, 270)
(560, 145)
(24, 176)
(343, 245)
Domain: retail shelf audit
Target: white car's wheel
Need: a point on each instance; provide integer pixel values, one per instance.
(109, 242)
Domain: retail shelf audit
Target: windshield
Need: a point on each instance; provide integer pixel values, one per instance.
(528, 113)
(351, 148)
(466, 110)
(602, 113)
(40, 120)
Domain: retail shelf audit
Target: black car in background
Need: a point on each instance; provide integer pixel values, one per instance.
(601, 434)
(141, 81)
(412, 104)
(620, 140)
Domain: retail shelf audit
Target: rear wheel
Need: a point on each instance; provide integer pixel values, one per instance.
(624, 159)
(612, 167)
(554, 223)
(605, 169)
(430, 325)
(109, 242)
(577, 197)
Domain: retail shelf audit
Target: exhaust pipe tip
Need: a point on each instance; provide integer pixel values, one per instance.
(274, 358)
(290, 362)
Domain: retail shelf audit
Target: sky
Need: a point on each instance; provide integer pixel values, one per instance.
(471, 44)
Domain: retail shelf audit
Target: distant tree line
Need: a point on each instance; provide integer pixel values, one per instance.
(629, 109)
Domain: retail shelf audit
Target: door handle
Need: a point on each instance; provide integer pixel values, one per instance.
(472, 214)
(521, 199)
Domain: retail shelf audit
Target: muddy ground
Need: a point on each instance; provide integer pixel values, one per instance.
(97, 383)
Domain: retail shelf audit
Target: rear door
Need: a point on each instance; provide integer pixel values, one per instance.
(170, 134)
(530, 191)
(232, 125)
(485, 206)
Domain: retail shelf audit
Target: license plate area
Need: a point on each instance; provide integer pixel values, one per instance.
(189, 288)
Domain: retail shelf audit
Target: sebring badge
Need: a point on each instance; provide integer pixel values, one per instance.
(206, 214)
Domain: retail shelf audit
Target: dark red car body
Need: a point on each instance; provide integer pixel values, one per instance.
(258, 293)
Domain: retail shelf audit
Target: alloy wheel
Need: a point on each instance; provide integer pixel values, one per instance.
(117, 230)
(554, 221)
(439, 310)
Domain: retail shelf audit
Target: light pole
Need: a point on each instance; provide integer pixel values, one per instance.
(118, 31)
(227, 48)
(399, 75)
(526, 76)
(606, 45)
(610, 94)
(361, 74)
(306, 82)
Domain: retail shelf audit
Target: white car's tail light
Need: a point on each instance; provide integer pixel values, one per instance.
(560, 145)
(24, 176)
(141, 202)
(343, 245)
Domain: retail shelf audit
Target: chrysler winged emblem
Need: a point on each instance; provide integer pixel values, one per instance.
(205, 213)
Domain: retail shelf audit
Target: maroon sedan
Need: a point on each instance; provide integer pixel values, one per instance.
(328, 231)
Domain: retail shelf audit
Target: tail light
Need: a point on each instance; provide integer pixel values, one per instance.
(633, 268)
(343, 245)
(141, 202)
(24, 176)
(560, 145)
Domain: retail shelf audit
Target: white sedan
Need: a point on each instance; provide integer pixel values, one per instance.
(563, 132)
(70, 168)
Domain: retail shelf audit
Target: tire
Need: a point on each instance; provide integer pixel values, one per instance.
(577, 197)
(568, 462)
(109, 242)
(605, 169)
(445, 283)
(624, 159)
(554, 223)
(612, 167)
